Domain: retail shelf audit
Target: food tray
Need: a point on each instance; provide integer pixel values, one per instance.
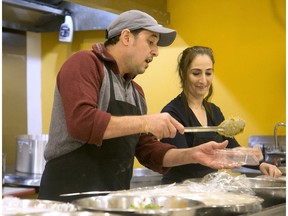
(227, 202)
(77, 213)
(16, 206)
(218, 199)
(272, 188)
(140, 205)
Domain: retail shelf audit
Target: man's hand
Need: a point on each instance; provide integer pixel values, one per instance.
(205, 155)
(161, 125)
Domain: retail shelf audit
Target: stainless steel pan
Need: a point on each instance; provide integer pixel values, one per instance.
(140, 205)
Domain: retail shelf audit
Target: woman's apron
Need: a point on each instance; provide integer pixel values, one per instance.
(89, 168)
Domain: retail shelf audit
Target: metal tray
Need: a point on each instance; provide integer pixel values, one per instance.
(140, 205)
(16, 206)
(77, 213)
(268, 188)
(215, 202)
(272, 191)
(227, 203)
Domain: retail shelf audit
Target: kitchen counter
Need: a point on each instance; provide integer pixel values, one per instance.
(144, 177)
(141, 177)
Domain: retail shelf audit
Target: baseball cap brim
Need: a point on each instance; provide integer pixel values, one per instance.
(167, 36)
(135, 19)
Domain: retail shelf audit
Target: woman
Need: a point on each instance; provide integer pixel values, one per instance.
(191, 108)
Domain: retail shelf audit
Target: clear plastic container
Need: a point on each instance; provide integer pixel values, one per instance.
(238, 156)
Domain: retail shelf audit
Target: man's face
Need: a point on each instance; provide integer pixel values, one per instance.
(141, 51)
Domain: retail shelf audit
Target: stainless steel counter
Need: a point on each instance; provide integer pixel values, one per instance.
(141, 177)
(21, 179)
(145, 177)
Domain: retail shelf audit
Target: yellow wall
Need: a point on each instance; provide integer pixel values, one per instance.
(14, 100)
(54, 54)
(248, 38)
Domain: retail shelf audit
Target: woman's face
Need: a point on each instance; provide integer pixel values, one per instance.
(200, 76)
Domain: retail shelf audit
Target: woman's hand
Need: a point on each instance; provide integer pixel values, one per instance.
(270, 170)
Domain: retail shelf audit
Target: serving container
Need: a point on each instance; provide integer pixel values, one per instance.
(270, 187)
(20, 207)
(215, 202)
(77, 213)
(225, 203)
(273, 191)
(140, 205)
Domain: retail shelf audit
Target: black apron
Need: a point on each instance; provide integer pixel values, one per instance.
(89, 168)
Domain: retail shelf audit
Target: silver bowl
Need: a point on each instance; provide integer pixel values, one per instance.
(268, 188)
(140, 205)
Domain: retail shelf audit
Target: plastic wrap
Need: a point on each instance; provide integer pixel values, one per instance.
(217, 188)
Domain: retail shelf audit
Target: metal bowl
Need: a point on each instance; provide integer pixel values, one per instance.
(140, 205)
(271, 188)
(272, 191)
(226, 203)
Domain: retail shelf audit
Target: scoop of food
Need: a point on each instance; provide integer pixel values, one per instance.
(232, 126)
(229, 127)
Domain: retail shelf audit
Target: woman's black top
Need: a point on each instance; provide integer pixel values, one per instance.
(179, 109)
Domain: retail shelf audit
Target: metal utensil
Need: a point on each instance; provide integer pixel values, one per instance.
(86, 193)
(229, 127)
(203, 129)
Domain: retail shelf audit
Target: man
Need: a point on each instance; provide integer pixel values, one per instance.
(99, 118)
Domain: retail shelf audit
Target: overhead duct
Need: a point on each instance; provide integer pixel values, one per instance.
(48, 15)
(40, 16)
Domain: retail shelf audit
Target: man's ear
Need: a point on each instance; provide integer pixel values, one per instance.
(125, 36)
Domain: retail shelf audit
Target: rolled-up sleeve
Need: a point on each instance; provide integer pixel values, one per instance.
(150, 153)
(79, 82)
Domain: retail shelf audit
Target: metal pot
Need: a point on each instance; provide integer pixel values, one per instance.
(30, 153)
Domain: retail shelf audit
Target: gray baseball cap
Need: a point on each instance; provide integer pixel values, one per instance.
(135, 19)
